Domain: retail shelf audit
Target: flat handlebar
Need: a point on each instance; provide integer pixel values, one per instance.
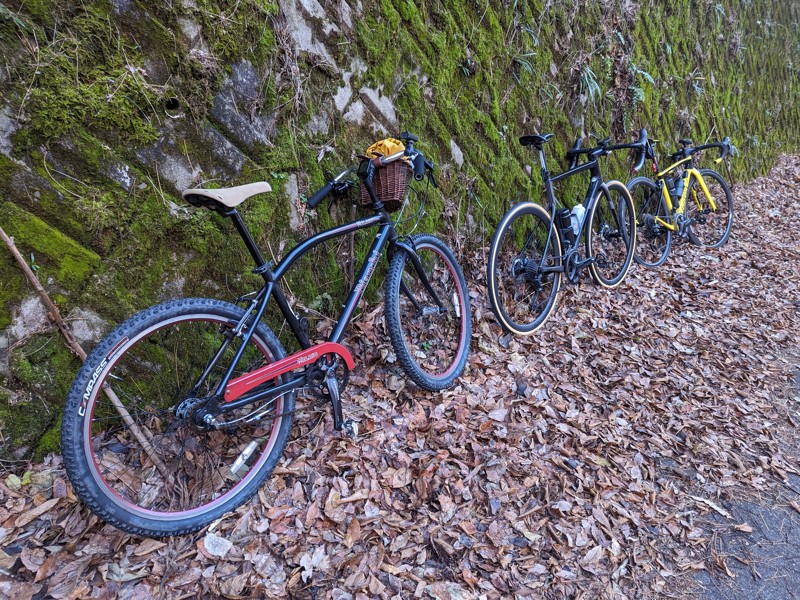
(326, 189)
(419, 165)
(320, 195)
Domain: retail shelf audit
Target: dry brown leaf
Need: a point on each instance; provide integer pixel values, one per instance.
(147, 546)
(36, 512)
(353, 535)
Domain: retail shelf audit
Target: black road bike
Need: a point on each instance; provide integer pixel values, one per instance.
(534, 246)
(181, 412)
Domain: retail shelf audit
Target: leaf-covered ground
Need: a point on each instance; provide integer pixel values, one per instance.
(579, 462)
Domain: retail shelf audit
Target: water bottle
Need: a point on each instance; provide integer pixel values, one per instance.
(576, 218)
(670, 186)
(679, 188)
(564, 222)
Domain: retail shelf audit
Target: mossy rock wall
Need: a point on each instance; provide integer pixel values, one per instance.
(110, 108)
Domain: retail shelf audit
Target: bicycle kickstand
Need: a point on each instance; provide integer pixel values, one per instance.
(347, 426)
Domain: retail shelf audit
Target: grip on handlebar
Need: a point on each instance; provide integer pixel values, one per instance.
(419, 167)
(319, 196)
(726, 147)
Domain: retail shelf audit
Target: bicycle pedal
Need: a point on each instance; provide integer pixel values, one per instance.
(350, 428)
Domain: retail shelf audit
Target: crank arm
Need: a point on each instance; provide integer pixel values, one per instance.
(553, 269)
(336, 402)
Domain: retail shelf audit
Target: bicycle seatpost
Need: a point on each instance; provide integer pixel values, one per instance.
(543, 163)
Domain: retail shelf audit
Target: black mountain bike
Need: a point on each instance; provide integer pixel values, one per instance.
(182, 411)
(530, 250)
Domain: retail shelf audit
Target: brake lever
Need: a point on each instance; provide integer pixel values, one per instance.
(430, 166)
(341, 187)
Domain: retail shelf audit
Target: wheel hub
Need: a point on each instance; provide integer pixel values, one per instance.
(532, 275)
(519, 267)
(184, 409)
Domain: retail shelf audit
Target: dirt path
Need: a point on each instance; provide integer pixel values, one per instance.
(759, 559)
(762, 561)
(595, 458)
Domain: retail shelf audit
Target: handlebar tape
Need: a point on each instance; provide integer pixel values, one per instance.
(319, 196)
(573, 155)
(642, 145)
(639, 163)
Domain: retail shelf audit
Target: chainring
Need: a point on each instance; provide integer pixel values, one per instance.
(571, 268)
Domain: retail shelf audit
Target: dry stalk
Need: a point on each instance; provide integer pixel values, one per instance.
(75, 348)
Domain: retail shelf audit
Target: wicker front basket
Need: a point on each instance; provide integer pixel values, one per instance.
(390, 185)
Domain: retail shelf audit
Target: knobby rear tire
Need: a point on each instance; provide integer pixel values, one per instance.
(149, 361)
(431, 346)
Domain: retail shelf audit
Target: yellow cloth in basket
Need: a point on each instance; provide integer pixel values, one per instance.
(387, 147)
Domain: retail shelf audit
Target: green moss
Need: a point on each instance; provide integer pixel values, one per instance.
(22, 424)
(50, 442)
(42, 369)
(58, 255)
(90, 77)
(10, 290)
(236, 29)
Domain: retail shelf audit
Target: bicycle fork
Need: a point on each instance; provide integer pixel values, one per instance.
(423, 278)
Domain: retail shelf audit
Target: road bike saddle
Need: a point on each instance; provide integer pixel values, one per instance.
(535, 140)
(686, 142)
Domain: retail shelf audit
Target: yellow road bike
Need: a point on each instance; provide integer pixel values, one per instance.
(681, 200)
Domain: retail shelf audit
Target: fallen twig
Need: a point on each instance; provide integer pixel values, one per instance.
(75, 347)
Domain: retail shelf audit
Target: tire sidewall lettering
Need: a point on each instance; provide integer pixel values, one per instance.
(87, 394)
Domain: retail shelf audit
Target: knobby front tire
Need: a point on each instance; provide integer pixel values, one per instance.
(431, 343)
(710, 228)
(147, 366)
(610, 235)
(521, 296)
(653, 240)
